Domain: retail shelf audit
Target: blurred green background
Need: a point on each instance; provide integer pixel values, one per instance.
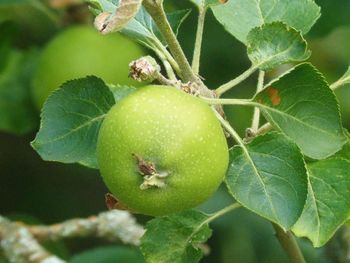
(36, 191)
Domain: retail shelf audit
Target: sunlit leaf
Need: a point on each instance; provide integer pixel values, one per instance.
(301, 105)
(275, 44)
(71, 119)
(240, 16)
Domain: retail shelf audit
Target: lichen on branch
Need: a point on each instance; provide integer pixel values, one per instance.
(20, 242)
(19, 245)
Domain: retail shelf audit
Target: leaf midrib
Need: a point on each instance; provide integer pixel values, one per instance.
(246, 152)
(286, 115)
(91, 121)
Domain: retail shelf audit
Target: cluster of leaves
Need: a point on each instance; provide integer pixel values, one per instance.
(298, 176)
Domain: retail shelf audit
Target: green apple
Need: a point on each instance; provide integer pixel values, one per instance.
(161, 151)
(81, 51)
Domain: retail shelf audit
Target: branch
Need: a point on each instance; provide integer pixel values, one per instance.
(156, 10)
(112, 225)
(289, 245)
(20, 246)
(19, 242)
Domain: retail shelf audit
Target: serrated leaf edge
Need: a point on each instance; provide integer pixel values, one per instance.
(253, 210)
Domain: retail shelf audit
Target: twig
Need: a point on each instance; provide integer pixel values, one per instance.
(289, 245)
(256, 116)
(340, 83)
(250, 134)
(156, 10)
(169, 70)
(199, 38)
(227, 86)
(19, 246)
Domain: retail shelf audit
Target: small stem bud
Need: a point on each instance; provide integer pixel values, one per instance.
(191, 88)
(144, 69)
(250, 134)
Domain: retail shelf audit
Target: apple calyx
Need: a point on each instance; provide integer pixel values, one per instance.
(151, 177)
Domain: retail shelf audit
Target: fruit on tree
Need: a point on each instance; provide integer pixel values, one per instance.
(80, 51)
(161, 150)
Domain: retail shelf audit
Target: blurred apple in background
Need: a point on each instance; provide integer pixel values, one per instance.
(80, 51)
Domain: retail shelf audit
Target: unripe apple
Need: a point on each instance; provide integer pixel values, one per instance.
(161, 150)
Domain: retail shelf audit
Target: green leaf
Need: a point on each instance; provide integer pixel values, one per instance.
(70, 121)
(275, 44)
(345, 152)
(142, 27)
(328, 203)
(302, 106)
(175, 238)
(125, 11)
(108, 254)
(269, 177)
(17, 114)
(241, 16)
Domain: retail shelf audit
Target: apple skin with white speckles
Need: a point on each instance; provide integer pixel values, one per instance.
(178, 133)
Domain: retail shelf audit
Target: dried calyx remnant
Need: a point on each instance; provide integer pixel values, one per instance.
(147, 69)
(152, 178)
(144, 69)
